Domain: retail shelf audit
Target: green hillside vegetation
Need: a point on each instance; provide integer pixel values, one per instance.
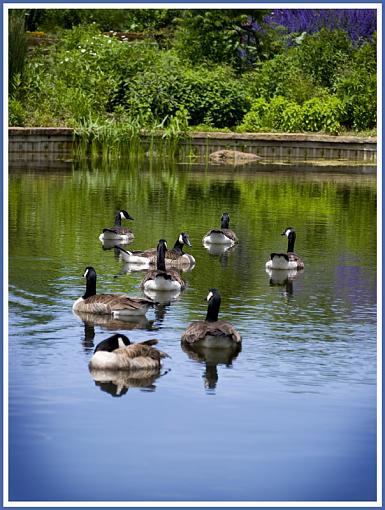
(111, 73)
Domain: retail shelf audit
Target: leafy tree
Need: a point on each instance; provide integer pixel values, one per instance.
(220, 36)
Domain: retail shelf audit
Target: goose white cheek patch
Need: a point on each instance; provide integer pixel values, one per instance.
(209, 296)
(120, 342)
(86, 273)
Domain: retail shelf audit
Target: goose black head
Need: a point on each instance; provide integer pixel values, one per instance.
(112, 343)
(90, 276)
(289, 231)
(124, 214)
(225, 220)
(89, 273)
(291, 235)
(184, 239)
(214, 302)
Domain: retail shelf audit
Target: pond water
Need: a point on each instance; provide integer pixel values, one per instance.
(292, 417)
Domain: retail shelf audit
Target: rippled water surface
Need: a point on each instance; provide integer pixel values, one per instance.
(292, 417)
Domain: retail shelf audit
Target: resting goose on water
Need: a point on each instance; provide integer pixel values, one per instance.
(224, 235)
(288, 260)
(173, 258)
(212, 332)
(117, 232)
(162, 279)
(118, 353)
(117, 305)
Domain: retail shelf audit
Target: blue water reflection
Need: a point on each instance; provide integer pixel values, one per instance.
(289, 417)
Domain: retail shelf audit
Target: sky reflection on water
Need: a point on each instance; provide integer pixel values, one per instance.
(292, 416)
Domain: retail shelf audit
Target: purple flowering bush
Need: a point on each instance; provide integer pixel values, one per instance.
(359, 24)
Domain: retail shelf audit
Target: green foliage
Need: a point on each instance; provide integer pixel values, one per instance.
(88, 80)
(254, 120)
(213, 97)
(323, 114)
(356, 86)
(281, 76)
(322, 54)
(16, 113)
(215, 35)
(17, 45)
(280, 114)
(106, 19)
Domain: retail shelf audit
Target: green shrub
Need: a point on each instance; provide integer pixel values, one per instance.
(16, 113)
(254, 120)
(323, 114)
(280, 114)
(281, 76)
(212, 97)
(292, 118)
(320, 55)
(356, 86)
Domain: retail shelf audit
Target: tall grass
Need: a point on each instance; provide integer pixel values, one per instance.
(17, 46)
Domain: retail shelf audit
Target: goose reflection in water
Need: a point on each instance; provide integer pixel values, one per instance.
(108, 323)
(212, 358)
(118, 382)
(162, 301)
(283, 278)
(108, 244)
(222, 251)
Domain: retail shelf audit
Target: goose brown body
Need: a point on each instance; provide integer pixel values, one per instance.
(197, 331)
(112, 304)
(134, 356)
(223, 235)
(212, 332)
(162, 279)
(175, 257)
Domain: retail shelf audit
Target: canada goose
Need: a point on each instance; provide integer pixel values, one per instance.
(160, 278)
(173, 258)
(289, 260)
(212, 332)
(223, 235)
(118, 353)
(117, 232)
(117, 305)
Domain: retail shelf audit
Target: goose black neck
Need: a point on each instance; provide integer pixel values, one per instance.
(225, 220)
(213, 309)
(178, 247)
(90, 285)
(118, 220)
(291, 241)
(161, 257)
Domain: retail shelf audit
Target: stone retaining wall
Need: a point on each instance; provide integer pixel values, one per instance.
(58, 143)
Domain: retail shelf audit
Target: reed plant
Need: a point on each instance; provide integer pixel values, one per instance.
(17, 45)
